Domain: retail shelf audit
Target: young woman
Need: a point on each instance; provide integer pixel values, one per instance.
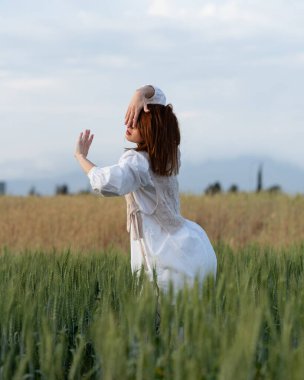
(170, 247)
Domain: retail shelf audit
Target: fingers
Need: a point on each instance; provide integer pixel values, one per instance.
(133, 113)
(84, 142)
(85, 137)
(130, 116)
(145, 106)
(90, 140)
(127, 116)
(134, 121)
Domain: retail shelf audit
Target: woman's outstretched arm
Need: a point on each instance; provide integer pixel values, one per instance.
(82, 149)
(131, 172)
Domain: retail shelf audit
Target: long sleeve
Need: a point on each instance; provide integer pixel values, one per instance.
(131, 173)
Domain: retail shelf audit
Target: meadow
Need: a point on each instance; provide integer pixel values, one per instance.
(71, 308)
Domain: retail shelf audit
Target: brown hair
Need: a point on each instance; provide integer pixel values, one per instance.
(161, 137)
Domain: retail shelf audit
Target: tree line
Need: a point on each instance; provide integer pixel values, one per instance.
(211, 189)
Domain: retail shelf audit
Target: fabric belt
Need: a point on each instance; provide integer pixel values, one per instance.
(134, 219)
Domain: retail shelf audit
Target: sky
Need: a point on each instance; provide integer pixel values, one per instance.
(233, 71)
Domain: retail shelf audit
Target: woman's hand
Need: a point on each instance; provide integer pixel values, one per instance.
(138, 102)
(83, 144)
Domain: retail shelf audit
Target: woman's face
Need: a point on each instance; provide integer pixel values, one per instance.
(133, 135)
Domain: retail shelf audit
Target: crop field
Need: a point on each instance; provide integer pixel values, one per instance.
(72, 309)
(90, 222)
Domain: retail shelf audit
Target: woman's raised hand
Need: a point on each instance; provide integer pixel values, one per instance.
(137, 103)
(83, 143)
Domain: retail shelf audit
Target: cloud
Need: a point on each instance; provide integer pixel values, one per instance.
(232, 69)
(232, 18)
(291, 60)
(31, 84)
(112, 61)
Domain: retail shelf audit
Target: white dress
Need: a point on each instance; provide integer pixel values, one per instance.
(161, 238)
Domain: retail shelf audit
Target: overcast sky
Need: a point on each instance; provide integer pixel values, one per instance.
(233, 71)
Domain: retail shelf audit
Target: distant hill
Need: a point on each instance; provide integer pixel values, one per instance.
(76, 182)
(241, 171)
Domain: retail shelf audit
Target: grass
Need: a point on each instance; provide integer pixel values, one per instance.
(83, 315)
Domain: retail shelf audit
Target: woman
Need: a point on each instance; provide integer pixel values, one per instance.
(170, 247)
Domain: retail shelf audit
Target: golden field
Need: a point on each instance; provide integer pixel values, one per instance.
(91, 222)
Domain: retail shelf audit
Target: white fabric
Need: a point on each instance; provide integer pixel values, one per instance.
(178, 256)
(158, 98)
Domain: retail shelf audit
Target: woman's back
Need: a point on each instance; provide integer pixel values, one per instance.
(160, 237)
(159, 196)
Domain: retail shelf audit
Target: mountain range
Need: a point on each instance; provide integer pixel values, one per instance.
(193, 177)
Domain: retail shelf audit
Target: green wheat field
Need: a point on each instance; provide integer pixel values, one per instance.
(81, 314)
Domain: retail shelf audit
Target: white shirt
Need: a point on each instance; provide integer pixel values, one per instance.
(178, 256)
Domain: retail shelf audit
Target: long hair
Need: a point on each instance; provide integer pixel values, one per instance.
(161, 137)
